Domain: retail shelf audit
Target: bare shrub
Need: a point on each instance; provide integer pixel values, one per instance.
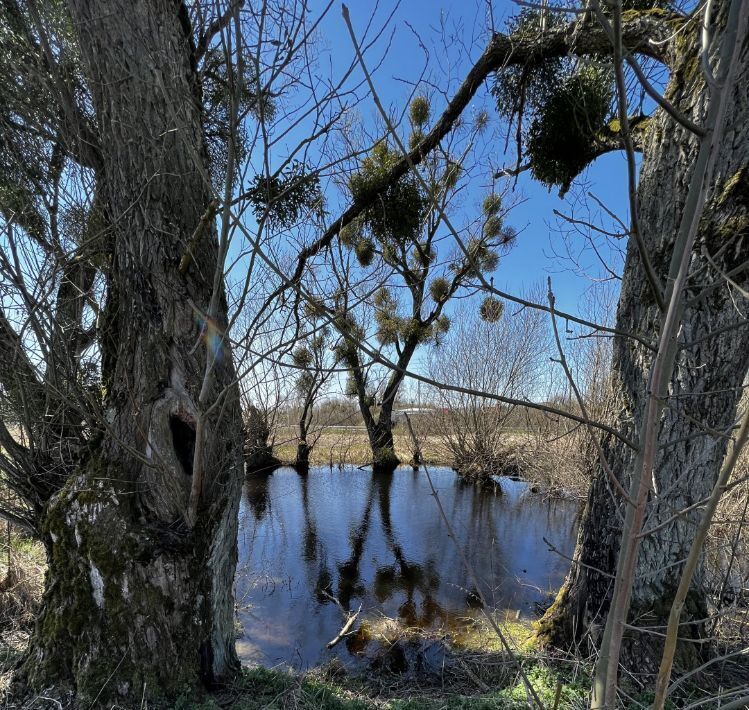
(500, 356)
(258, 448)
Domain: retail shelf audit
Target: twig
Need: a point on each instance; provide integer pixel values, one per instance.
(345, 628)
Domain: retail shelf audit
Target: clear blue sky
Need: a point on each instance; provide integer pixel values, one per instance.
(464, 24)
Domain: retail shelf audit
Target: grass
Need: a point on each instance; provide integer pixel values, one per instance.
(21, 585)
(351, 447)
(331, 689)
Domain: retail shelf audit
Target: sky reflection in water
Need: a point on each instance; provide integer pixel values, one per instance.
(378, 540)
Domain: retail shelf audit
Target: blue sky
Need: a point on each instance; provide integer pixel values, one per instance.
(464, 25)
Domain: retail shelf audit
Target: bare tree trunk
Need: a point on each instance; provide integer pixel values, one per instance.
(303, 451)
(137, 601)
(380, 430)
(704, 390)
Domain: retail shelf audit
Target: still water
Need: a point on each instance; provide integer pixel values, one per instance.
(378, 541)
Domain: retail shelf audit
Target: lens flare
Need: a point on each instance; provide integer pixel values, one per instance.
(212, 337)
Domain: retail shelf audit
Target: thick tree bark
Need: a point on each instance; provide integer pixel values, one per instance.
(705, 386)
(138, 602)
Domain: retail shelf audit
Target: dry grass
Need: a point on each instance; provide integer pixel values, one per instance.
(727, 568)
(21, 586)
(350, 446)
(557, 463)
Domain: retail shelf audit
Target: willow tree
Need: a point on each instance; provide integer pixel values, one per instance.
(395, 241)
(131, 477)
(567, 86)
(562, 75)
(122, 128)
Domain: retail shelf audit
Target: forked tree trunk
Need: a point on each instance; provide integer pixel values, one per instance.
(704, 390)
(137, 601)
(379, 430)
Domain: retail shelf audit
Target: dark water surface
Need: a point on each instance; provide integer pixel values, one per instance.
(378, 540)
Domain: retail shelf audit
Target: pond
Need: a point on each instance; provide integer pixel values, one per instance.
(377, 540)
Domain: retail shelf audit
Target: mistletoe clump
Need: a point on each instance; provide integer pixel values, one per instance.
(285, 197)
(346, 350)
(302, 356)
(397, 214)
(491, 309)
(386, 316)
(439, 289)
(560, 108)
(562, 139)
(482, 258)
(365, 251)
(418, 111)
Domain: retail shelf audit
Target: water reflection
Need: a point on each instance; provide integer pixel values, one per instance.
(378, 540)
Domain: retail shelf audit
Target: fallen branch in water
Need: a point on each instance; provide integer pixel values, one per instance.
(327, 594)
(345, 629)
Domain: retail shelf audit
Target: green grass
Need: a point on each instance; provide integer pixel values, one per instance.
(277, 690)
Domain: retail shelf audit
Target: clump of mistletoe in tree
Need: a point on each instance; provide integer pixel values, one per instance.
(395, 241)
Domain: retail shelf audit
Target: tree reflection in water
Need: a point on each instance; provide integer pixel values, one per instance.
(378, 540)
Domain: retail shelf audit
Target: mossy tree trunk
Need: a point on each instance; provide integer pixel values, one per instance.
(138, 598)
(704, 390)
(384, 458)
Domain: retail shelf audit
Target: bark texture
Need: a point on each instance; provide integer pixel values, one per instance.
(380, 427)
(137, 602)
(704, 389)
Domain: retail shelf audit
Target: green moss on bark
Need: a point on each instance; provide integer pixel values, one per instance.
(385, 459)
(110, 629)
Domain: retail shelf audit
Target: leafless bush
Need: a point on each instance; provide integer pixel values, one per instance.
(501, 354)
(561, 455)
